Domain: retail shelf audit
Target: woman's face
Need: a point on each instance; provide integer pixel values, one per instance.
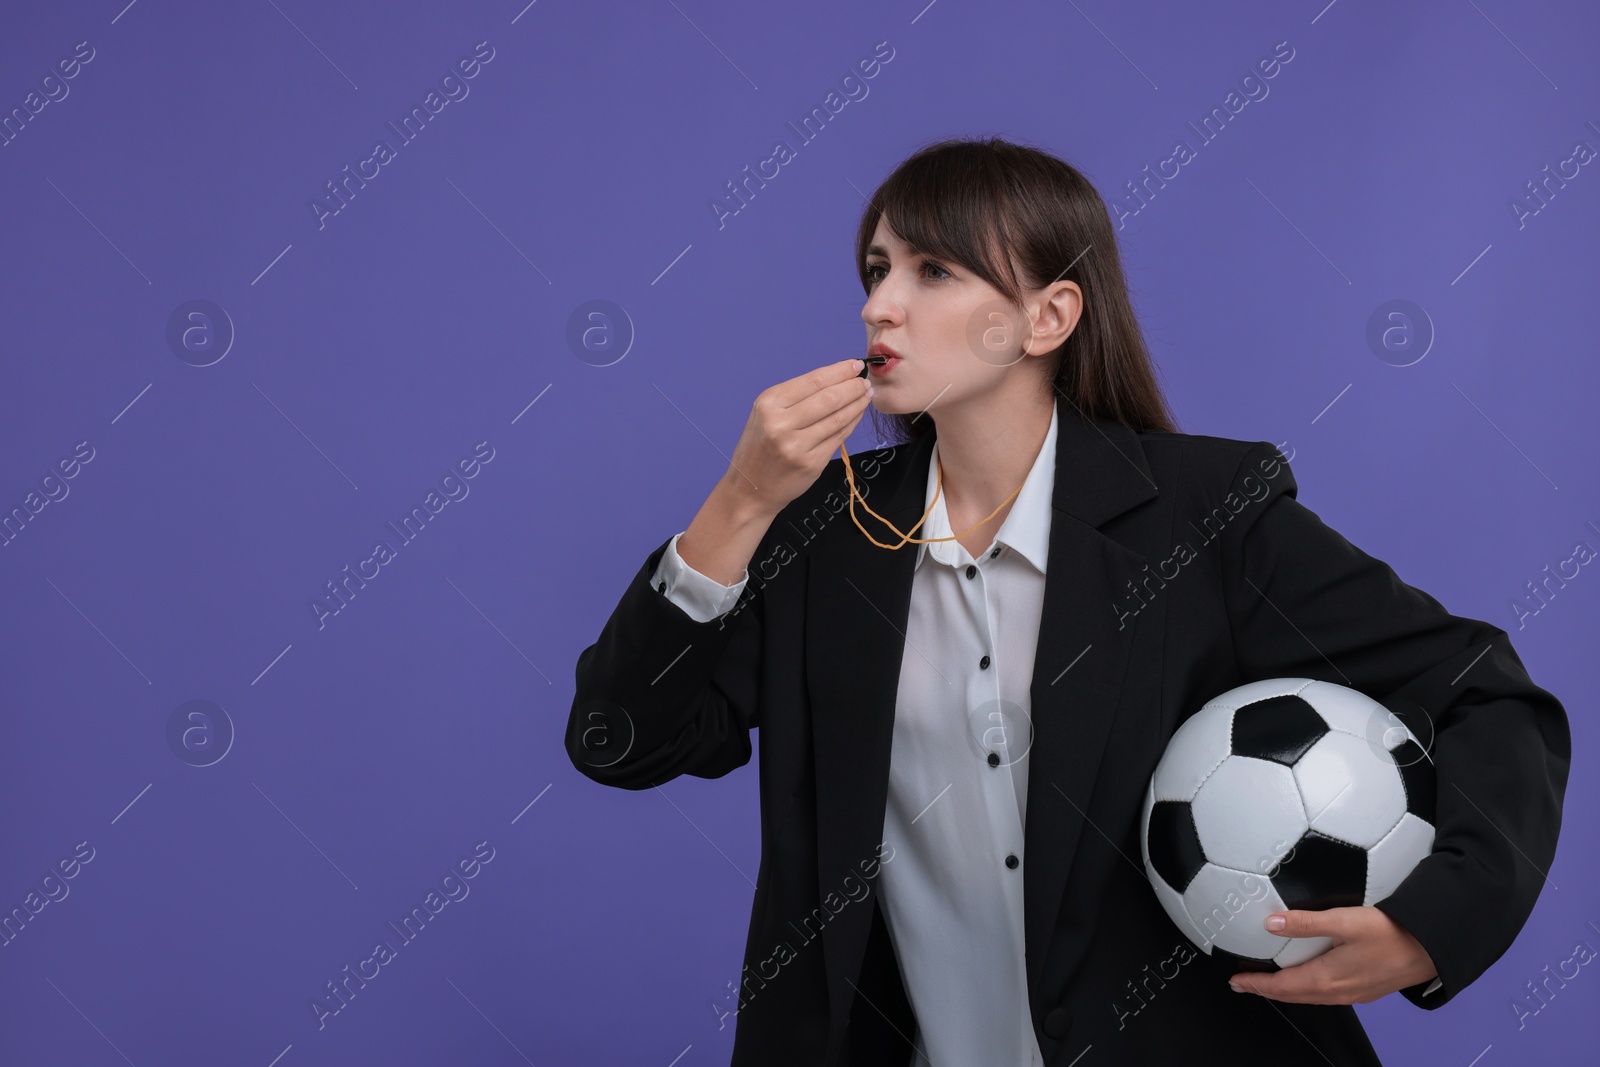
(954, 333)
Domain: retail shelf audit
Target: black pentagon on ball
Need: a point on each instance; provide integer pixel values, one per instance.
(1232, 963)
(1417, 775)
(1280, 729)
(1322, 872)
(1174, 843)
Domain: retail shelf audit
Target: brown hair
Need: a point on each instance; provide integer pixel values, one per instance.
(962, 200)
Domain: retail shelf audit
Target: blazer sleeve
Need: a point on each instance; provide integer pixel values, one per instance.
(661, 693)
(1304, 602)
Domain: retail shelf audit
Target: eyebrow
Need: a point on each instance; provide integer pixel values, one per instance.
(879, 250)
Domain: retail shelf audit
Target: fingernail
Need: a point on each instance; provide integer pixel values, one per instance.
(1276, 922)
(1235, 986)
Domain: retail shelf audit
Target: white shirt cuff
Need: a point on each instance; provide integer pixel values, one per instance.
(701, 598)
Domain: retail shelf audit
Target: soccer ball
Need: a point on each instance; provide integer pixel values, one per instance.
(1283, 793)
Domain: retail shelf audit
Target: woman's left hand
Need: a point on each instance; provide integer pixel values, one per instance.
(1372, 956)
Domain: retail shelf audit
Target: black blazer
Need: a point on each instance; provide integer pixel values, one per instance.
(1136, 634)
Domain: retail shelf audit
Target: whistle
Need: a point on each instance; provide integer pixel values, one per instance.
(868, 361)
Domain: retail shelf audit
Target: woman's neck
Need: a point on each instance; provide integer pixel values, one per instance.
(986, 448)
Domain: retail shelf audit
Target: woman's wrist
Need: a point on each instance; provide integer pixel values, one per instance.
(724, 534)
(739, 503)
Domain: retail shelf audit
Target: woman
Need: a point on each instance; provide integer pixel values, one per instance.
(966, 652)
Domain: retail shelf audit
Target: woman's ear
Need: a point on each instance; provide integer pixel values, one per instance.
(1055, 314)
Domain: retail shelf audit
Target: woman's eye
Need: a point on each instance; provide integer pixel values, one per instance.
(873, 274)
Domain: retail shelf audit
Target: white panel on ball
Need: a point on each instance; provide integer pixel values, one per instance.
(1246, 811)
(1231, 908)
(1194, 751)
(1352, 790)
(1353, 712)
(1390, 860)
(1346, 710)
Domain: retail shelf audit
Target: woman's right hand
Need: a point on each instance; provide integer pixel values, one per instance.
(793, 431)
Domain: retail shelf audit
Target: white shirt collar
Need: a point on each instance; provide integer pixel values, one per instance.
(1026, 528)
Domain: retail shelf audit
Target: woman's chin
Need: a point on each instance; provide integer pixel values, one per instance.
(883, 405)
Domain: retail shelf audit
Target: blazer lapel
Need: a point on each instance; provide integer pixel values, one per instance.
(858, 602)
(858, 598)
(1081, 658)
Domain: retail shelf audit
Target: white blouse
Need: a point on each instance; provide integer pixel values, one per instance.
(958, 772)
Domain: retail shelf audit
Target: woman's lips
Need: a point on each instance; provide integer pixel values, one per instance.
(880, 369)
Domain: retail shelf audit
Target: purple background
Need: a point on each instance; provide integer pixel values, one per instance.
(374, 351)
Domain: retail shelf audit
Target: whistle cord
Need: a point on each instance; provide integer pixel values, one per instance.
(906, 538)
